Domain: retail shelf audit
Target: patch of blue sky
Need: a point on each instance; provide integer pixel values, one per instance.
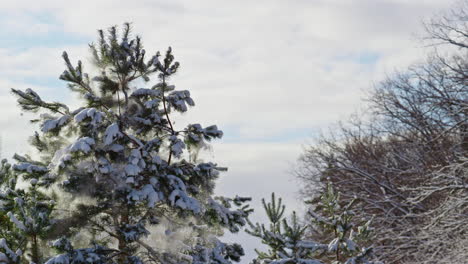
(365, 57)
(53, 89)
(47, 82)
(232, 134)
(23, 35)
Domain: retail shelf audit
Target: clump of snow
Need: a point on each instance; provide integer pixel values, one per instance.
(136, 163)
(63, 156)
(30, 168)
(112, 132)
(147, 193)
(59, 259)
(177, 145)
(197, 133)
(95, 116)
(9, 256)
(116, 148)
(179, 196)
(14, 220)
(146, 92)
(180, 99)
(152, 103)
(104, 166)
(60, 158)
(142, 120)
(51, 124)
(82, 144)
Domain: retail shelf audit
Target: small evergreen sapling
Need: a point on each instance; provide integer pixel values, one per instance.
(27, 210)
(284, 238)
(121, 169)
(288, 242)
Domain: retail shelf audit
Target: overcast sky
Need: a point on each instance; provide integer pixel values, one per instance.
(269, 73)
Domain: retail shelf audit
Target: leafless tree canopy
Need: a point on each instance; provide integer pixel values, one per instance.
(407, 160)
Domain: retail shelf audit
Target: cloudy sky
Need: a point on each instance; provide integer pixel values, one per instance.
(270, 73)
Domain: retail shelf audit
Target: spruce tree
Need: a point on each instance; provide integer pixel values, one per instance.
(287, 238)
(110, 175)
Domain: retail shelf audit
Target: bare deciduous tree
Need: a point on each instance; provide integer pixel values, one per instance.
(406, 160)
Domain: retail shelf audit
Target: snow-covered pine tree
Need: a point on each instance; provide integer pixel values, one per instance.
(127, 189)
(287, 240)
(24, 211)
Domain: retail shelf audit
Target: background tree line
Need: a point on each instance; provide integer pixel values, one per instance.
(406, 159)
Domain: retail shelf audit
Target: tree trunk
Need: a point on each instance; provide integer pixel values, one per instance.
(35, 258)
